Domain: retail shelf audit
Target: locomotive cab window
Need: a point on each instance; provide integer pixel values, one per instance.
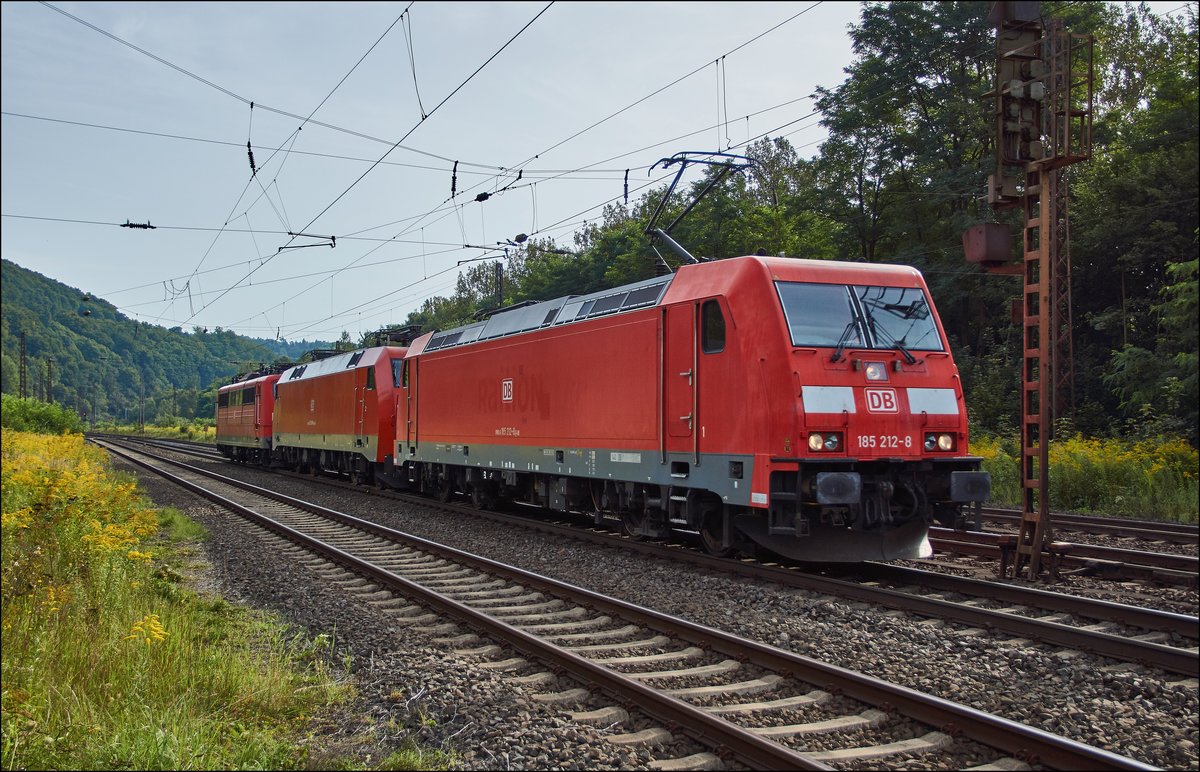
(712, 328)
(371, 378)
(399, 373)
(859, 316)
(223, 399)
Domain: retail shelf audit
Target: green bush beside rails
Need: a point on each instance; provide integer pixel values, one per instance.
(1153, 479)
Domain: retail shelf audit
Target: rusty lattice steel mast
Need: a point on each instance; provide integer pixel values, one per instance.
(1043, 111)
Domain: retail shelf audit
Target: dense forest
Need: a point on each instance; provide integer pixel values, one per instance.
(97, 359)
(900, 177)
(903, 174)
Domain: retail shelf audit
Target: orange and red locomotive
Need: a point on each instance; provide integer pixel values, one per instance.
(244, 413)
(338, 413)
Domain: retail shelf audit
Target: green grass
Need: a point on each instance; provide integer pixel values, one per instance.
(109, 661)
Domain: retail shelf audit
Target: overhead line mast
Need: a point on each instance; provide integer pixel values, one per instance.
(1043, 111)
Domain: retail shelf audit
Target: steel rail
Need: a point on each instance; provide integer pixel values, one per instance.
(1072, 552)
(1153, 529)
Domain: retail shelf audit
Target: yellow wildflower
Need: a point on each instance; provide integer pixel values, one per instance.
(149, 628)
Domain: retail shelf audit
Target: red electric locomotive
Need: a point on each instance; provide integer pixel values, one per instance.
(338, 413)
(244, 419)
(811, 407)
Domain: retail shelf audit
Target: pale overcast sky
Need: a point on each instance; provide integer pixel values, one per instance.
(140, 113)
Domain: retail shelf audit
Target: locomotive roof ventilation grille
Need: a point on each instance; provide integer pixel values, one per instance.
(555, 312)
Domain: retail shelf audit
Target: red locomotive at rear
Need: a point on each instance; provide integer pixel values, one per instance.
(811, 407)
(244, 419)
(338, 413)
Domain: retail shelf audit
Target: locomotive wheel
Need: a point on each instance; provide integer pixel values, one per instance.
(481, 497)
(711, 527)
(631, 523)
(445, 489)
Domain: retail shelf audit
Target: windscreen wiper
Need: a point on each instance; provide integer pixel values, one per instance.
(842, 341)
(898, 345)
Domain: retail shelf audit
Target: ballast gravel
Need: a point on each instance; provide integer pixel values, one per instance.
(412, 688)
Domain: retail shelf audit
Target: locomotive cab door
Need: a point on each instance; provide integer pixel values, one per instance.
(410, 396)
(363, 380)
(679, 374)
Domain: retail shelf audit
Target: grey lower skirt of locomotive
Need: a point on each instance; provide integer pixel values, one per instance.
(832, 511)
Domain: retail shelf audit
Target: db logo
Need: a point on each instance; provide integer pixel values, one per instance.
(882, 401)
(506, 390)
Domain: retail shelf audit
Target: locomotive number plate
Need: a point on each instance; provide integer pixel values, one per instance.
(885, 441)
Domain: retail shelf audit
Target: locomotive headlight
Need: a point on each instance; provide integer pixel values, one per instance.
(876, 371)
(816, 442)
(832, 441)
(939, 442)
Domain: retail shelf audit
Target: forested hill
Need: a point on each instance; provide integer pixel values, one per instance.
(102, 355)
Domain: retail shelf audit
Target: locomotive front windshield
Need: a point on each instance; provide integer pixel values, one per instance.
(858, 316)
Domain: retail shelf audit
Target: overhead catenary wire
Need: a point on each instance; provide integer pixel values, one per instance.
(409, 133)
(254, 175)
(528, 176)
(755, 38)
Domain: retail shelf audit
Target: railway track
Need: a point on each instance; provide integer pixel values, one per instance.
(750, 704)
(1122, 632)
(1149, 530)
(1111, 562)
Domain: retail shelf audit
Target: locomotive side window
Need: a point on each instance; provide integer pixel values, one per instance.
(712, 328)
(399, 373)
(371, 378)
(223, 399)
(248, 396)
